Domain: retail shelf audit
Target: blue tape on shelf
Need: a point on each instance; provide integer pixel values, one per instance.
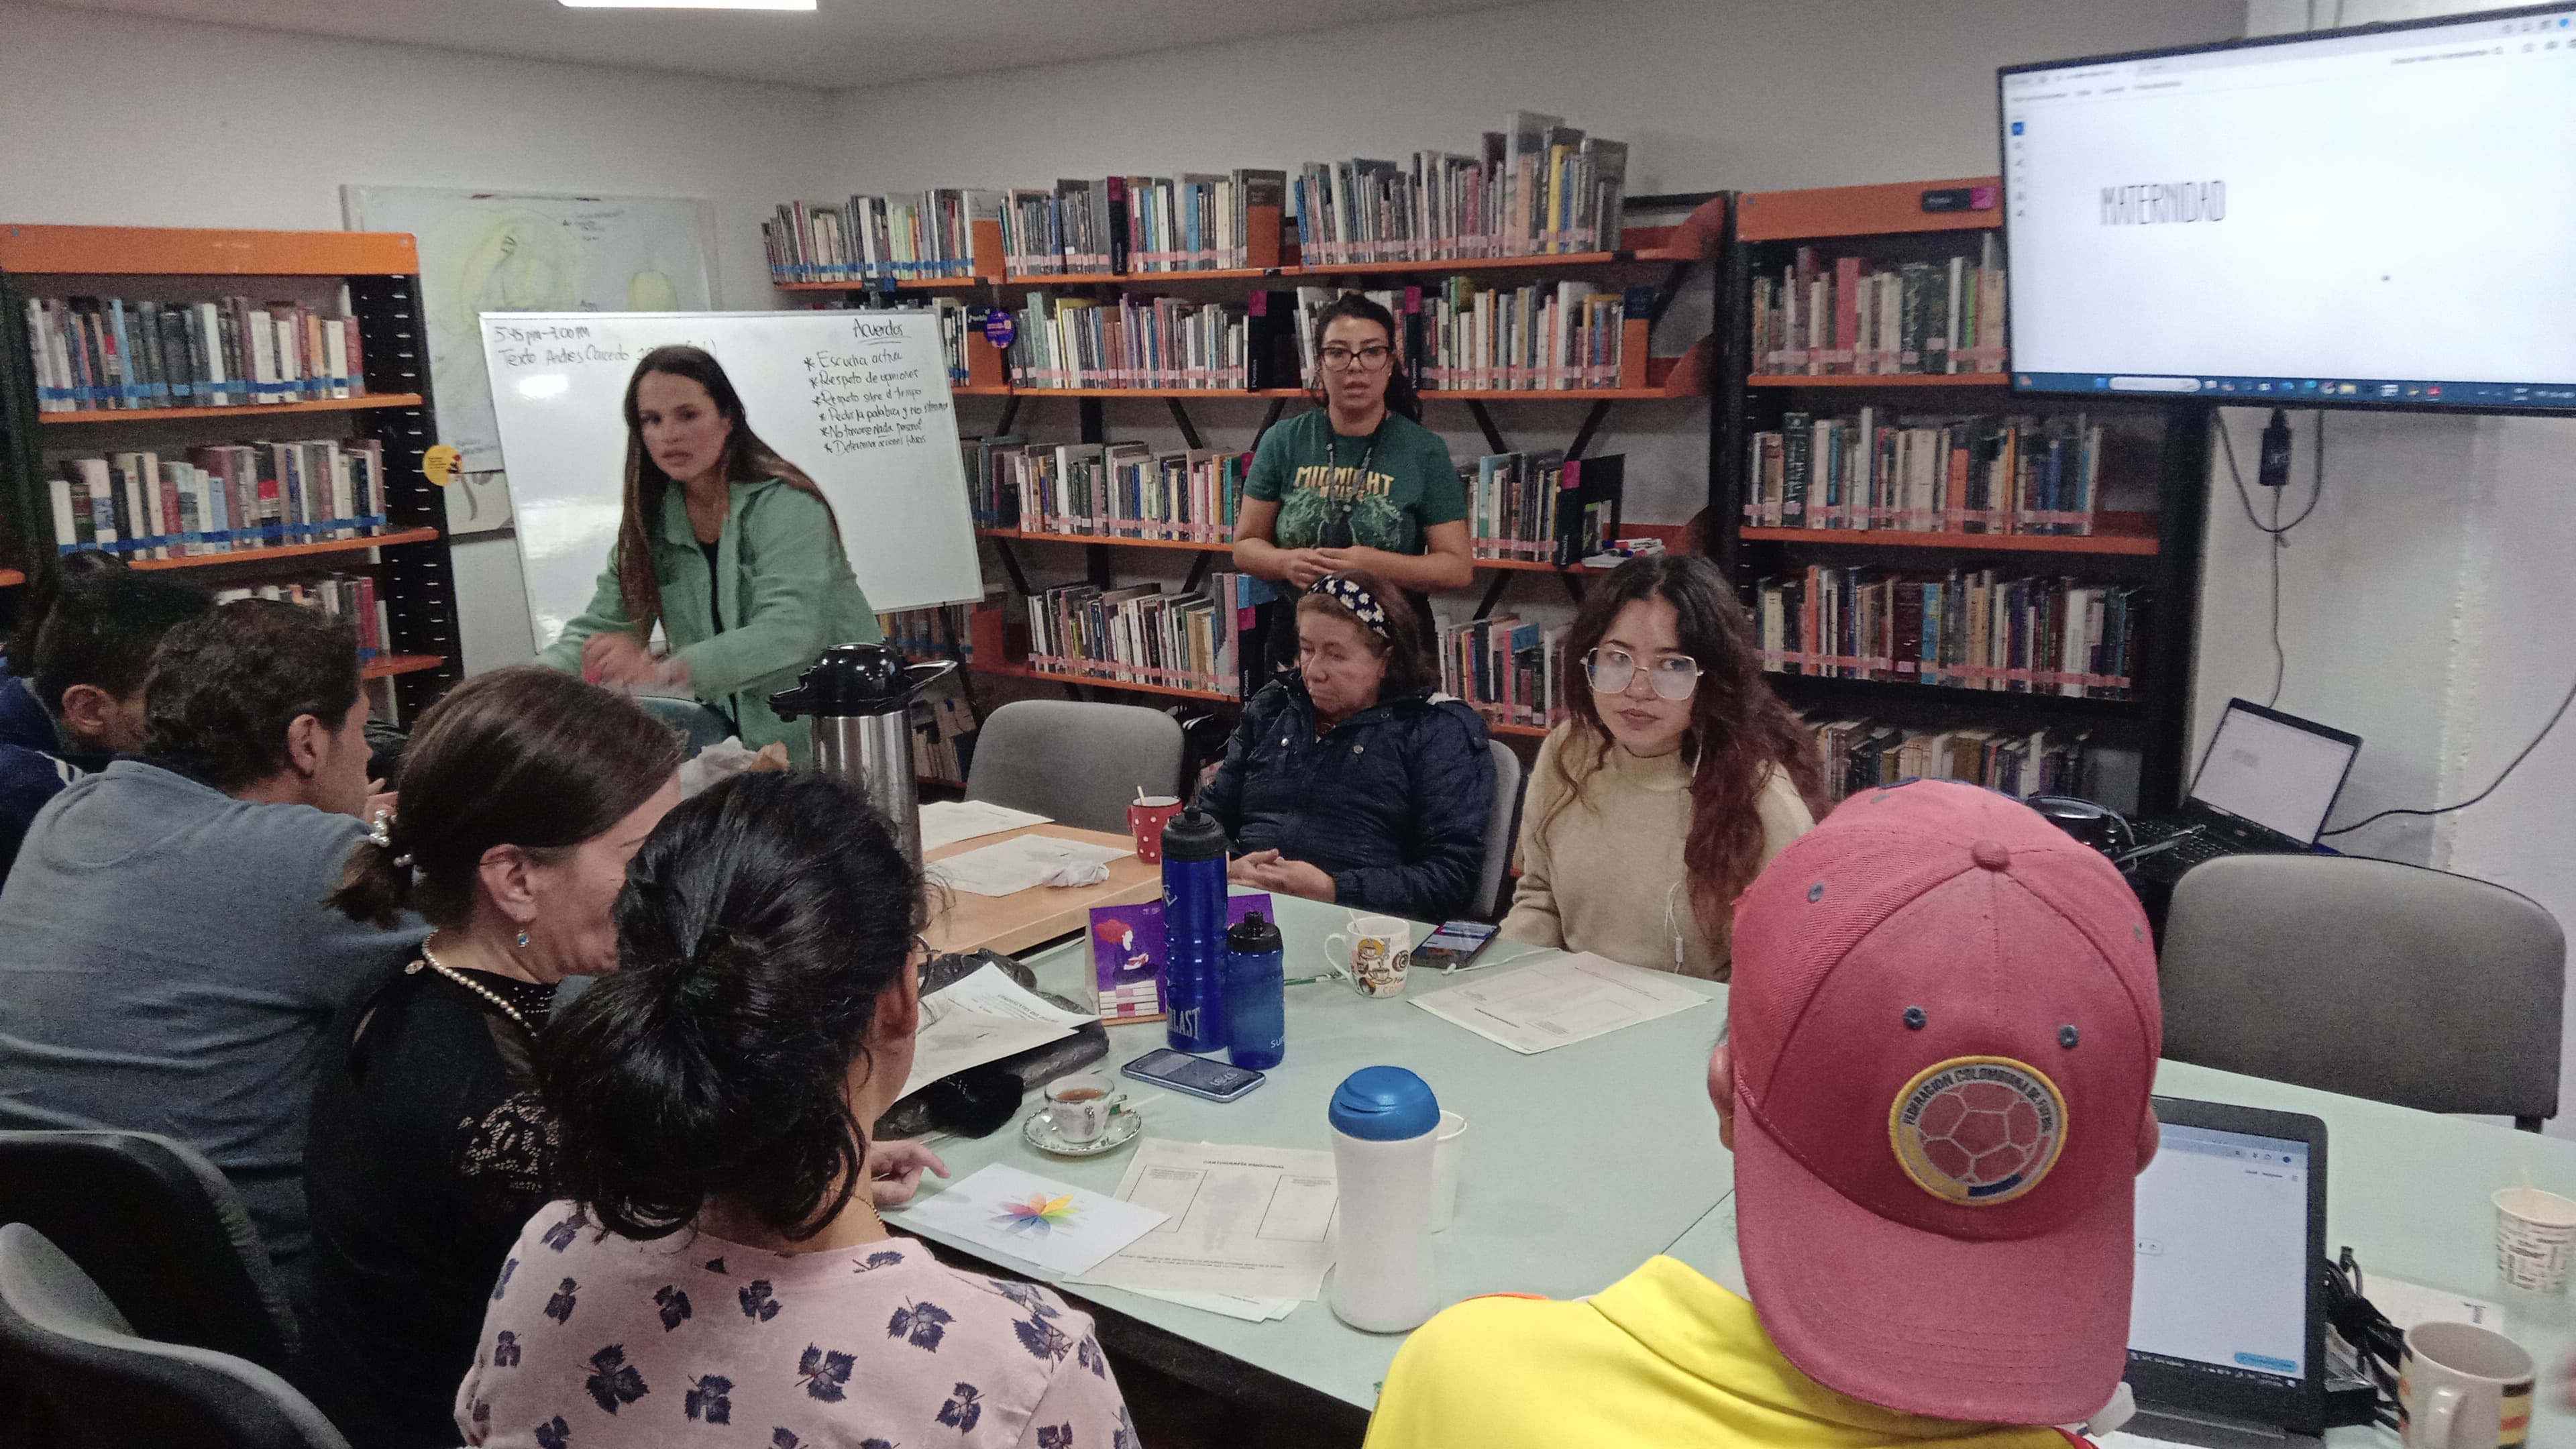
(372, 520)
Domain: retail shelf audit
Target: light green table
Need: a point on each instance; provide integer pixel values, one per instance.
(1584, 1161)
(1580, 1162)
(2406, 1190)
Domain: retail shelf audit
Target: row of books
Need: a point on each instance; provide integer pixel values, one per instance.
(1537, 186)
(1542, 507)
(93, 353)
(1537, 337)
(1188, 223)
(1862, 754)
(223, 498)
(1963, 630)
(936, 632)
(1850, 316)
(344, 598)
(907, 237)
(1144, 341)
(941, 723)
(1105, 490)
(1507, 669)
(1959, 475)
(1205, 642)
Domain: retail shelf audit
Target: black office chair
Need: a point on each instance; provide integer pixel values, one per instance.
(87, 1379)
(161, 1232)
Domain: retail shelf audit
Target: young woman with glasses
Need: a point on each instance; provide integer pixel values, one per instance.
(1358, 482)
(1680, 775)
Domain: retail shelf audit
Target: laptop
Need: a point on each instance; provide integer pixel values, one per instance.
(2265, 787)
(2227, 1330)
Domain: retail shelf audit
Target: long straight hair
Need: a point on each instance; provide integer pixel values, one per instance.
(1739, 730)
(1400, 396)
(746, 459)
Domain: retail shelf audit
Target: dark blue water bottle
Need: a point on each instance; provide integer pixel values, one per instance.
(1194, 849)
(1256, 995)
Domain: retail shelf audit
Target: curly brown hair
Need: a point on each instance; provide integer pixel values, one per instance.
(1739, 730)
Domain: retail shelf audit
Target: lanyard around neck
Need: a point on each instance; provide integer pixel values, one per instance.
(1333, 446)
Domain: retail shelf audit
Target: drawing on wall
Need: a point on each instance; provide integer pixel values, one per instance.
(527, 252)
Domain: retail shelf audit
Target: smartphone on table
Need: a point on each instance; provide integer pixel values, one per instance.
(1455, 944)
(1196, 1076)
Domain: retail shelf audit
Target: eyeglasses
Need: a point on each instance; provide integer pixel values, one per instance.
(1366, 359)
(1612, 671)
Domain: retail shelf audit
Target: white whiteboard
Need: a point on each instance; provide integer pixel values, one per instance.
(859, 400)
(496, 251)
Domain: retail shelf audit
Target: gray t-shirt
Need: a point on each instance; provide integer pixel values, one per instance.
(167, 965)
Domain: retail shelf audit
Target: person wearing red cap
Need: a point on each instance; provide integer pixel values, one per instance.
(1942, 1036)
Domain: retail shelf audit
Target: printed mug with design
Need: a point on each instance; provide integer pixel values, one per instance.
(2463, 1387)
(1079, 1107)
(1374, 953)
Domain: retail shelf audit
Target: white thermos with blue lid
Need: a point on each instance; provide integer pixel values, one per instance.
(1383, 1121)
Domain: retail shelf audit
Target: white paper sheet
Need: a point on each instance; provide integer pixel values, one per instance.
(945, 822)
(1558, 1001)
(1250, 1310)
(1009, 867)
(999, 1208)
(952, 1041)
(2407, 1304)
(989, 991)
(1241, 1222)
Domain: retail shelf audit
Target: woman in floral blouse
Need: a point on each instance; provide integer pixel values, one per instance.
(720, 1260)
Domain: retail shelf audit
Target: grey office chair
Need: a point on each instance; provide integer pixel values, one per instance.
(1493, 887)
(2369, 978)
(89, 1380)
(1073, 762)
(159, 1229)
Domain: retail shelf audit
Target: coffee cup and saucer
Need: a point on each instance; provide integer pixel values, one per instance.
(1085, 1116)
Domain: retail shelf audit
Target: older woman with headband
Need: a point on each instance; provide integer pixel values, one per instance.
(1351, 779)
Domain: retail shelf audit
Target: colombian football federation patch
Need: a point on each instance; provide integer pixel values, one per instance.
(1978, 1130)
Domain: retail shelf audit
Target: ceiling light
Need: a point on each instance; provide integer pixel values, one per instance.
(691, 4)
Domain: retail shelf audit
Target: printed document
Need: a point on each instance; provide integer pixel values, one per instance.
(945, 822)
(983, 1018)
(1560, 1000)
(1056, 1228)
(1246, 1223)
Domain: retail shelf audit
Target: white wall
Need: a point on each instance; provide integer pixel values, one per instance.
(2424, 608)
(128, 121)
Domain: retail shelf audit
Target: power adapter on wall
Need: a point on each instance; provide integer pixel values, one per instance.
(2275, 469)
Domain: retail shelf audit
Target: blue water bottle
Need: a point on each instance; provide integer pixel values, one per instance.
(1194, 850)
(1256, 995)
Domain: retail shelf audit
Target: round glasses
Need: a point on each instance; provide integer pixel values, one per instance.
(1612, 670)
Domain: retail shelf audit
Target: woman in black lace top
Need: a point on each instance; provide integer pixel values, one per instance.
(524, 794)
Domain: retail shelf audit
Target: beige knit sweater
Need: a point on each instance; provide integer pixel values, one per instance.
(1601, 876)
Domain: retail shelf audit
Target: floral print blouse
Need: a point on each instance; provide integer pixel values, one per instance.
(595, 1340)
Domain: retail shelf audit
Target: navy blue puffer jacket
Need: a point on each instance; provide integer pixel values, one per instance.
(1391, 803)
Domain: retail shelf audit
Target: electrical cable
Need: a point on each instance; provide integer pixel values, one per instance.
(2554, 717)
(2278, 532)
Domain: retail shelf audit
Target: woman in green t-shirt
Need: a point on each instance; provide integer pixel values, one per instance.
(1357, 483)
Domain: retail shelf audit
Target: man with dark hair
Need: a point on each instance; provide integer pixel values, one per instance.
(166, 963)
(81, 703)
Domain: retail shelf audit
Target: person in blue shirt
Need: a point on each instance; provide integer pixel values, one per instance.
(24, 722)
(86, 668)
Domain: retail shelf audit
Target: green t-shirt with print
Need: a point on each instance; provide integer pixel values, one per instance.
(1312, 473)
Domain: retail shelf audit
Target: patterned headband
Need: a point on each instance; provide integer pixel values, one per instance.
(1354, 596)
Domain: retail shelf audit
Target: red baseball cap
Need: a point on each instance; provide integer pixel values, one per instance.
(1945, 1032)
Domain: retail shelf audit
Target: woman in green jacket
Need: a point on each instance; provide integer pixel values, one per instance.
(741, 563)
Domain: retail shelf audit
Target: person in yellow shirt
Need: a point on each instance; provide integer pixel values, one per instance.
(1942, 1035)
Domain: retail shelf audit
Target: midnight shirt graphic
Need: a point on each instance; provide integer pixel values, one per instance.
(1407, 484)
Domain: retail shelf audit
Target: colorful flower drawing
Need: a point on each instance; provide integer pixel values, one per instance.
(1038, 1216)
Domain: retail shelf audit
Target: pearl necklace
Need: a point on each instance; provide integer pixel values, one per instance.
(461, 979)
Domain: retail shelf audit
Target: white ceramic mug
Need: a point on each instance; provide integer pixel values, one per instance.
(2463, 1387)
(1079, 1107)
(1373, 954)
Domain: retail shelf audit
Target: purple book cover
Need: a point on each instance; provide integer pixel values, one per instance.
(1127, 954)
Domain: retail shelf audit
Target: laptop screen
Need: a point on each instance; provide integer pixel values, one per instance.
(2265, 768)
(2222, 1265)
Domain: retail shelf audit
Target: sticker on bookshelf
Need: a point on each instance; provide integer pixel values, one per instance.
(438, 464)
